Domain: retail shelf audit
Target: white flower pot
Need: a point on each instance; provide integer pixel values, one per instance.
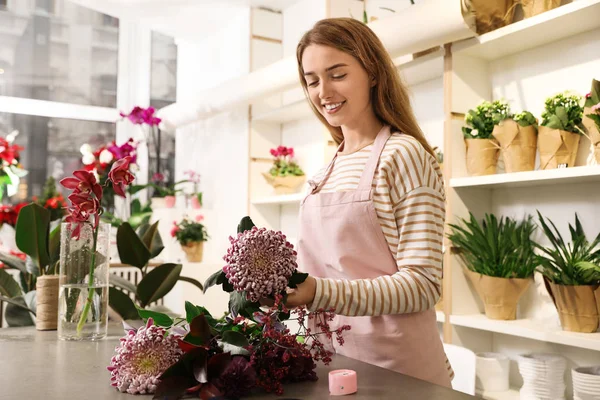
(158, 202)
(491, 372)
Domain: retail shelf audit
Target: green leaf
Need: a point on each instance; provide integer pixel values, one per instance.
(17, 303)
(152, 240)
(215, 279)
(235, 338)
(239, 305)
(157, 283)
(121, 283)
(133, 189)
(192, 281)
(132, 250)
(296, 279)
(136, 206)
(18, 315)
(191, 311)
(54, 244)
(8, 286)
(160, 319)
(13, 262)
(245, 224)
(122, 304)
(200, 329)
(138, 220)
(32, 232)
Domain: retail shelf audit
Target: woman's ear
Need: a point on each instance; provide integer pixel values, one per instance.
(373, 81)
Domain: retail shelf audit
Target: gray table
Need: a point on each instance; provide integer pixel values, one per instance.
(36, 365)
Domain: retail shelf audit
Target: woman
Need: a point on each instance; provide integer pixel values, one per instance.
(371, 228)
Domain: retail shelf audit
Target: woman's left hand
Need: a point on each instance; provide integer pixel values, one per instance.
(304, 294)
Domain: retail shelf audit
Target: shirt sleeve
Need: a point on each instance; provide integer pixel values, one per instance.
(419, 215)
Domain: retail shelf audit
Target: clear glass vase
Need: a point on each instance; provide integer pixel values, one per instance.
(83, 291)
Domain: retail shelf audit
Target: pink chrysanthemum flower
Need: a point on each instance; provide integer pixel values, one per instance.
(260, 262)
(142, 357)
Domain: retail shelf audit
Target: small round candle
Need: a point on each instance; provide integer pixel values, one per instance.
(342, 382)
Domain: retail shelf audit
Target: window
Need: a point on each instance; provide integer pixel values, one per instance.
(51, 147)
(66, 54)
(163, 91)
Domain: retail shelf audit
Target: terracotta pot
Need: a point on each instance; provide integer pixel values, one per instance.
(46, 303)
(195, 203)
(285, 184)
(194, 251)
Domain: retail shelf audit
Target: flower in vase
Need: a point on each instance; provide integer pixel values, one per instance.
(260, 262)
(120, 175)
(142, 357)
(83, 182)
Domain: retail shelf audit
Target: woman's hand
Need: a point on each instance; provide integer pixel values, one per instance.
(304, 294)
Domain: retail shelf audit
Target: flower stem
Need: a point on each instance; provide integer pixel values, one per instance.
(88, 301)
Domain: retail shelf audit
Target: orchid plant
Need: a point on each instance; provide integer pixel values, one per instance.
(86, 209)
(194, 178)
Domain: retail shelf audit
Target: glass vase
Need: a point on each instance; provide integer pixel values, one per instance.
(83, 291)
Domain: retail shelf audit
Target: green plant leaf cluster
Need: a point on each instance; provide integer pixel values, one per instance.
(563, 111)
(190, 231)
(501, 248)
(525, 118)
(283, 167)
(481, 120)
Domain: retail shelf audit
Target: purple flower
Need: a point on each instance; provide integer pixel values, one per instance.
(142, 357)
(238, 379)
(141, 115)
(260, 262)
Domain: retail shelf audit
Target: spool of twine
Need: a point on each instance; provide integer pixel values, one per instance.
(47, 303)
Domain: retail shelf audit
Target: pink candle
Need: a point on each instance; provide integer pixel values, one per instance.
(342, 382)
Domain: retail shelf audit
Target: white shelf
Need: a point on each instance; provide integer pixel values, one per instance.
(562, 22)
(440, 316)
(512, 394)
(287, 113)
(587, 174)
(283, 199)
(529, 329)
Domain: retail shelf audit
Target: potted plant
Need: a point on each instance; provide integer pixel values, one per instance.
(591, 117)
(499, 260)
(191, 235)
(195, 196)
(517, 135)
(11, 170)
(482, 148)
(535, 7)
(560, 131)
(164, 193)
(490, 14)
(285, 175)
(572, 276)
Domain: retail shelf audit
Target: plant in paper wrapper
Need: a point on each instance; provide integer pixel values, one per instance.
(191, 235)
(591, 119)
(285, 175)
(499, 258)
(517, 136)
(482, 148)
(560, 131)
(248, 348)
(572, 275)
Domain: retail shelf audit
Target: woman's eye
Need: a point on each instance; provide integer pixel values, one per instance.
(342, 76)
(312, 84)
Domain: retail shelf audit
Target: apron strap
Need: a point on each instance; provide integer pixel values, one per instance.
(316, 186)
(366, 179)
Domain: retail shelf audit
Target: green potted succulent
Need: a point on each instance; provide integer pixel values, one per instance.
(285, 175)
(499, 260)
(572, 276)
(482, 148)
(191, 235)
(560, 131)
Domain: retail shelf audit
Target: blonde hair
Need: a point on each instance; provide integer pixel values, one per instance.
(389, 97)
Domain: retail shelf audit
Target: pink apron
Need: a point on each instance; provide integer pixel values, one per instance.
(340, 238)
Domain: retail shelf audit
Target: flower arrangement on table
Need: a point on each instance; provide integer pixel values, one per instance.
(191, 235)
(560, 131)
(11, 169)
(100, 161)
(196, 196)
(248, 348)
(285, 175)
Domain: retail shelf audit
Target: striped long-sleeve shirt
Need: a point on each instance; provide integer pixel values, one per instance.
(408, 195)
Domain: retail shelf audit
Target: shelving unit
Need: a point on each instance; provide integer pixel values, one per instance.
(283, 199)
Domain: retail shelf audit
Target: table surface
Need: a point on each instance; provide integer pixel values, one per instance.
(36, 365)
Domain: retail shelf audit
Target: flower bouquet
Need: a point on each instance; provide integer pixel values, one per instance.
(101, 161)
(482, 148)
(285, 175)
(191, 235)
(11, 169)
(560, 131)
(591, 119)
(248, 348)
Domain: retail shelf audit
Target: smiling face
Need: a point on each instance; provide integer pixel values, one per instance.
(337, 85)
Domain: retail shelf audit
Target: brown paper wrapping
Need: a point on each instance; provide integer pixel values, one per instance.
(535, 7)
(593, 132)
(285, 184)
(557, 147)
(194, 251)
(482, 156)
(46, 303)
(492, 14)
(519, 144)
(499, 295)
(578, 306)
